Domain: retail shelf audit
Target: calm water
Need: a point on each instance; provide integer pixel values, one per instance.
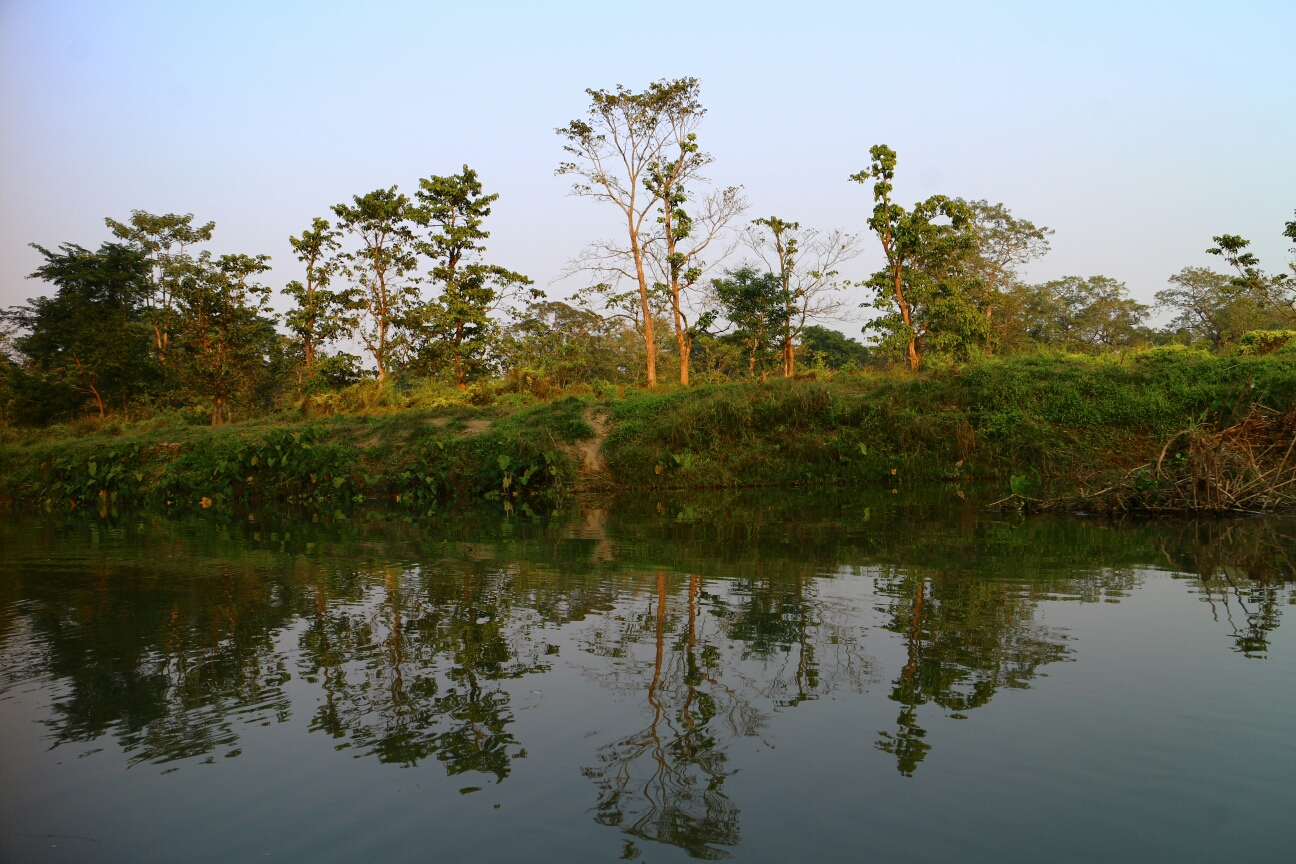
(786, 679)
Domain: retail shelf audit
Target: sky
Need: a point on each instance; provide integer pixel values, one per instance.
(1136, 131)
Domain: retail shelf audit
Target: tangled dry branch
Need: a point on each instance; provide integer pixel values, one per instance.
(1248, 467)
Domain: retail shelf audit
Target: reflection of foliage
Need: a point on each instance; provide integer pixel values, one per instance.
(171, 664)
(169, 636)
(714, 655)
(965, 639)
(665, 783)
(776, 620)
(378, 663)
(1248, 569)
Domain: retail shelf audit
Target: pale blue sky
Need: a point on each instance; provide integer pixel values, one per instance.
(1137, 130)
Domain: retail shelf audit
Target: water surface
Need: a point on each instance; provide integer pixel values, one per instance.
(763, 678)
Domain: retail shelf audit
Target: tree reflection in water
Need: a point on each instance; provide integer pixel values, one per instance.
(175, 638)
(410, 674)
(710, 664)
(964, 639)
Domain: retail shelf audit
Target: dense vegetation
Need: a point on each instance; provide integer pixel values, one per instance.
(967, 369)
(1065, 421)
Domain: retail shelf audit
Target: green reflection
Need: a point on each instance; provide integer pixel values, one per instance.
(408, 642)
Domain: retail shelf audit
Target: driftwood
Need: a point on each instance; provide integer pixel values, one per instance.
(1248, 467)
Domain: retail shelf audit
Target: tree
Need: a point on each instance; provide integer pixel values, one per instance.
(754, 303)
(622, 138)
(1267, 292)
(164, 239)
(456, 325)
(807, 291)
(831, 348)
(931, 290)
(566, 345)
(319, 316)
(1096, 312)
(1003, 244)
(91, 335)
(225, 338)
(1208, 306)
(381, 269)
(675, 250)
(1289, 231)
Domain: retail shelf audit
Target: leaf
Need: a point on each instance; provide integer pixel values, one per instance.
(504, 461)
(94, 469)
(863, 450)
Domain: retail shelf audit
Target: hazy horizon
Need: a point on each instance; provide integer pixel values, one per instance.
(1136, 131)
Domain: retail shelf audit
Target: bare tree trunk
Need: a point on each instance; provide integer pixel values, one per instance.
(459, 373)
(914, 359)
(650, 340)
(681, 337)
(789, 355)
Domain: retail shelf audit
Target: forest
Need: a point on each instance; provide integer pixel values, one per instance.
(396, 292)
(691, 302)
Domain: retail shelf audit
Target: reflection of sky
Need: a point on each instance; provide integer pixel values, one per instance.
(1136, 130)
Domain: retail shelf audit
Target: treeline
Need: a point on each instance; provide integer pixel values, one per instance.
(690, 288)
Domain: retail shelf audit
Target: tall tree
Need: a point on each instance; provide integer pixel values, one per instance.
(1003, 243)
(91, 335)
(165, 240)
(676, 248)
(456, 324)
(1207, 305)
(930, 290)
(319, 316)
(805, 262)
(382, 268)
(623, 137)
(225, 337)
(1267, 292)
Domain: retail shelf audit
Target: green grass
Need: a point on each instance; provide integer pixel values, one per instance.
(1064, 416)
(421, 458)
(1069, 418)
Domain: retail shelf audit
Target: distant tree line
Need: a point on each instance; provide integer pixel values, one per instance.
(400, 290)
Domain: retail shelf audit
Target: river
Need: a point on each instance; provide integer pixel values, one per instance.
(762, 676)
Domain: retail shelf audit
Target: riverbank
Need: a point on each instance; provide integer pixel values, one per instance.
(1052, 422)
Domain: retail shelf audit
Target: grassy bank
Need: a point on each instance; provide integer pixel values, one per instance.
(1067, 420)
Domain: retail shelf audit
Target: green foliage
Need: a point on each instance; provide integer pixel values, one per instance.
(1265, 341)
(832, 349)
(754, 304)
(454, 329)
(933, 294)
(223, 338)
(337, 463)
(319, 316)
(90, 338)
(1059, 415)
(552, 346)
(382, 268)
(1096, 313)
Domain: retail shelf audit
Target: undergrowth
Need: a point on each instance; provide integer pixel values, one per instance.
(1053, 418)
